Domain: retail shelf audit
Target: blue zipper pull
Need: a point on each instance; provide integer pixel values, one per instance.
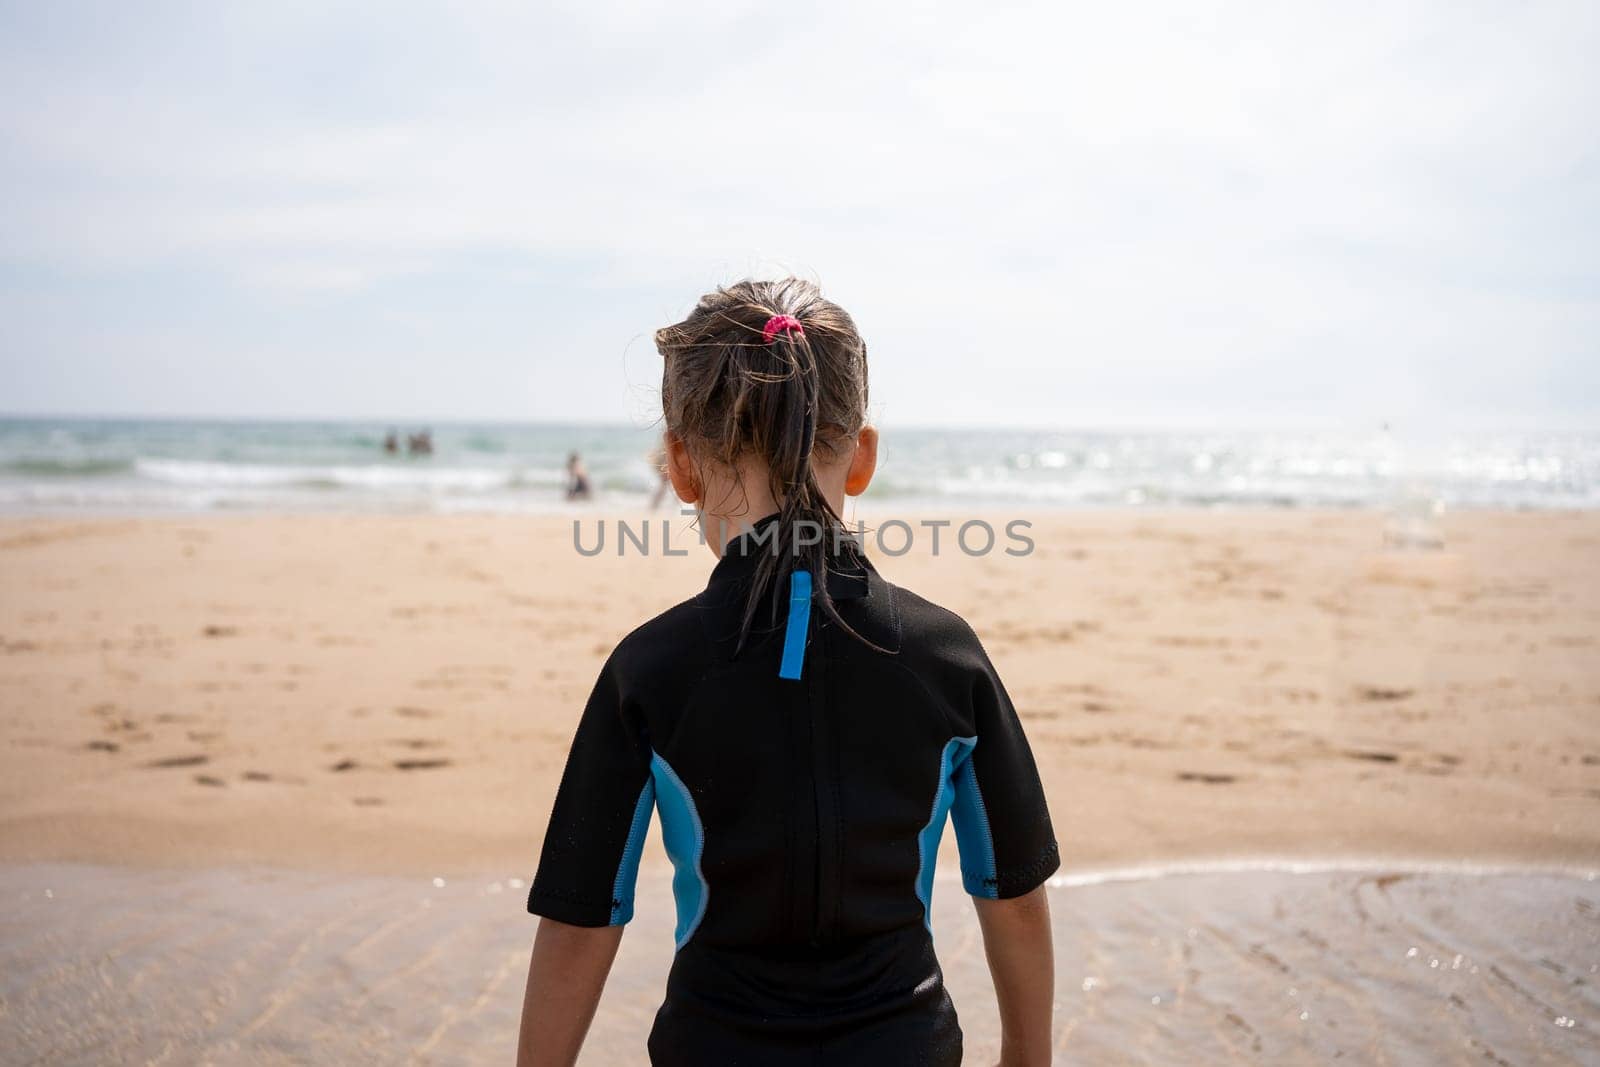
(794, 633)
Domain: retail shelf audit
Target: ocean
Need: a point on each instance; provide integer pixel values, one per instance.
(153, 466)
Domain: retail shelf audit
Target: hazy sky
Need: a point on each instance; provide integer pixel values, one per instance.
(1058, 214)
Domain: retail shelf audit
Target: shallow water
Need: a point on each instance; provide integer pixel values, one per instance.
(156, 466)
(102, 964)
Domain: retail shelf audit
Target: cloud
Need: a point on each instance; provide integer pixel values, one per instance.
(1142, 211)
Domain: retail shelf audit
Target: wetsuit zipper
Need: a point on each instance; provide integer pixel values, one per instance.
(801, 896)
(823, 795)
(810, 908)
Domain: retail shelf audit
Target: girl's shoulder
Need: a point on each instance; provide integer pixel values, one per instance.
(939, 656)
(932, 631)
(653, 654)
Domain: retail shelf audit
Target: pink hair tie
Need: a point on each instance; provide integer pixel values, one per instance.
(778, 324)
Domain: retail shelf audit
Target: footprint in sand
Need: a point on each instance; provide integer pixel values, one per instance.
(179, 761)
(1206, 778)
(1381, 693)
(1441, 763)
(415, 713)
(1373, 757)
(420, 764)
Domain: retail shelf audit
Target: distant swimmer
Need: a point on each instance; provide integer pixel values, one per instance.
(577, 478)
(391, 442)
(420, 444)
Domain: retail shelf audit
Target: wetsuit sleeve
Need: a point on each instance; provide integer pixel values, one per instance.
(590, 860)
(1002, 822)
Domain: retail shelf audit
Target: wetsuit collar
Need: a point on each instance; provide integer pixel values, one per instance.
(850, 575)
(859, 593)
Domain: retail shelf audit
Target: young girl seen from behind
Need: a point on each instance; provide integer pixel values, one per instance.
(804, 729)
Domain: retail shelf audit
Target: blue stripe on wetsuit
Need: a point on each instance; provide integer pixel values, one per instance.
(685, 841)
(794, 633)
(955, 752)
(628, 868)
(971, 820)
(957, 796)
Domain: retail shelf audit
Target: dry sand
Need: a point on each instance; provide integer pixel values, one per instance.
(397, 695)
(238, 751)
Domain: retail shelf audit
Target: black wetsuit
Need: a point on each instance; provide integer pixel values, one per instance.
(802, 815)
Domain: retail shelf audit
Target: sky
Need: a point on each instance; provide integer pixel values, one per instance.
(1180, 214)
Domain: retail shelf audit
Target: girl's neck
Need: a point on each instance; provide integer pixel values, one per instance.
(721, 530)
(731, 502)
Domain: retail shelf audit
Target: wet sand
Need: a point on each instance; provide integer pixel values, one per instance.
(101, 965)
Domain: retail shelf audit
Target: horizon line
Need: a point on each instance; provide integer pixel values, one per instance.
(1376, 423)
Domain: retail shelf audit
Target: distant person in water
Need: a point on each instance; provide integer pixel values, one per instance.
(420, 444)
(391, 442)
(577, 478)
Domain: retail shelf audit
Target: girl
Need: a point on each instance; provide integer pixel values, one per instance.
(804, 728)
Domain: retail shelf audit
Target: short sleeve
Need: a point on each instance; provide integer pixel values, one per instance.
(589, 864)
(1002, 822)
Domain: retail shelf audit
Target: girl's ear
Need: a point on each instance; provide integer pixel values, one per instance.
(680, 469)
(863, 464)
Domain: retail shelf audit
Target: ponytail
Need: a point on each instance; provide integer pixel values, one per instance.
(774, 370)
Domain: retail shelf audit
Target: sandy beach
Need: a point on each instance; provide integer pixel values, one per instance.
(397, 695)
(349, 702)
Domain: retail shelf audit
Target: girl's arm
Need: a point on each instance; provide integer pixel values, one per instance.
(565, 976)
(1017, 940)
